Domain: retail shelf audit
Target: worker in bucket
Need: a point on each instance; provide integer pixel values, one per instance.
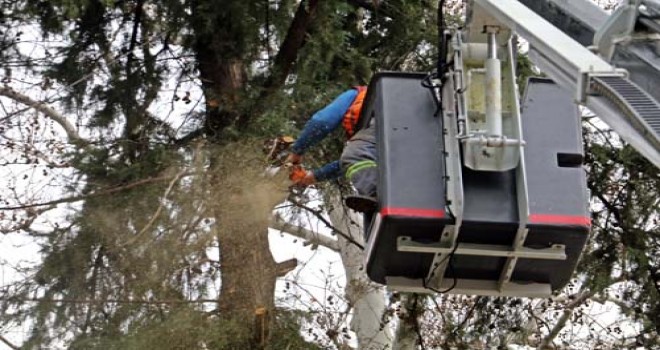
(358, 159)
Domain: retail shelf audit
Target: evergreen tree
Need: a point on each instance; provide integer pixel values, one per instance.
(130, 138)
(148, 191)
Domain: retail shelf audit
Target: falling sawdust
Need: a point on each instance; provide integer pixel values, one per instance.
(241, 200)
(229, 187)
(241, 190)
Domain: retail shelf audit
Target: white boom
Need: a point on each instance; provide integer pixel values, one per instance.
(598, 85)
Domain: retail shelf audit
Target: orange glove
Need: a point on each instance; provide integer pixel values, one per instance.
(309, 179)
(301, 177)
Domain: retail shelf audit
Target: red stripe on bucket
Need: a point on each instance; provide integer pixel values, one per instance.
(416, 212)
(559, 219)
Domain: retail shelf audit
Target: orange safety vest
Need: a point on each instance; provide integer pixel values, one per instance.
(353, 113)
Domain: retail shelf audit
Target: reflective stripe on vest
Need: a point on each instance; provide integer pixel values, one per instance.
(353, 113)
(355, 167)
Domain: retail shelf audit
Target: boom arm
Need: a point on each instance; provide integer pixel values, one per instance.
(628, 107)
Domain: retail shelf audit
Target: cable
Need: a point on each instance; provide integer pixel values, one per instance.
(450, 256)
(441, 65)
(427, 82)
(442, 42)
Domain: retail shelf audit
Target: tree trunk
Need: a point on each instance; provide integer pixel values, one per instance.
(248, 269)
(242, 201)
(222, 69)
(248, 279)
(406, 337)
(367, 298)
(249, 272)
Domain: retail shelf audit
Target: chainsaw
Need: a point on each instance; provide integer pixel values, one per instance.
(277, 151)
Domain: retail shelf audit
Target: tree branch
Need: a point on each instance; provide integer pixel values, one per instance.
(620, 303)
(566, 315)
(609, 206)
(295, 38)
(285, 267)
(26, 223)
(98, 262)
(364, 4)
(328, 224)
(159, 210)
(110, 301)
(287, 54)
(311, 237)
(468, 315)
(382, 8)
(8, 343)
(98, 193)
(137, 16)
(70, 130)
(655, 276)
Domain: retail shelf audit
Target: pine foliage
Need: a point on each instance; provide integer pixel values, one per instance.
(165, 99)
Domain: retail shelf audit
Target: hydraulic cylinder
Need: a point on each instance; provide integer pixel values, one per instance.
(493, 89)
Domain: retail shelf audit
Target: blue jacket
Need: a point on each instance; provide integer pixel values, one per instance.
(319, 126)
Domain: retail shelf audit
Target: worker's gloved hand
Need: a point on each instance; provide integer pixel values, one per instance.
(293, 159)
(301, 177)
(308, 180)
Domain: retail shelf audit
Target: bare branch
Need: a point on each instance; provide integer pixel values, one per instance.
(328, 224)
(26, 224)
(286, 266)
(309, 236)
(70, 130)
(620, 303)
(468, 315)
(8, 343)
(566, 315)
(110, 301)
(160, 208)
(93, 194)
